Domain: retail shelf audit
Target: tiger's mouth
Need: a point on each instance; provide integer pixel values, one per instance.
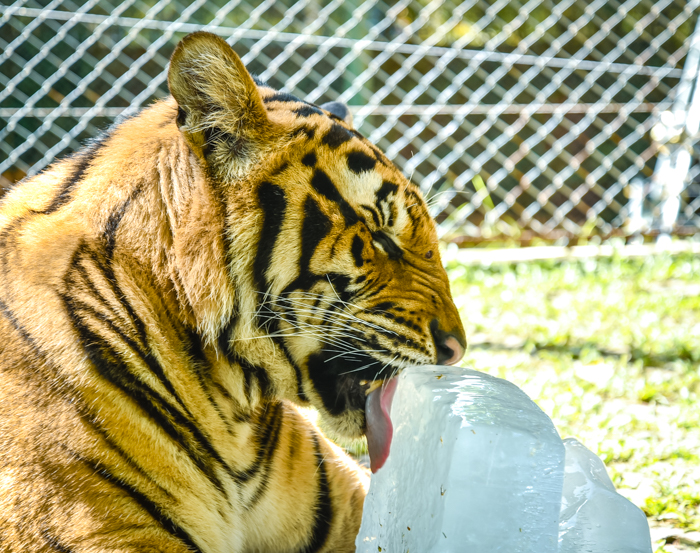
(356, 385)
(343, 382)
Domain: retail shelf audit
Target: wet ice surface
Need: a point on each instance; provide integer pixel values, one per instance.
(472, 459)
(594, 517)
(475, 465)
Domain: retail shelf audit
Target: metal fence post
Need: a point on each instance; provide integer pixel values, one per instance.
(676, 133)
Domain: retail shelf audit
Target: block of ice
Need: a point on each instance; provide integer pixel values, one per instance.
(594, 517)
(475, 465)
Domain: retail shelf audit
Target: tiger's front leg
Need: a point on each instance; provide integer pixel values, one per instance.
(307, 494)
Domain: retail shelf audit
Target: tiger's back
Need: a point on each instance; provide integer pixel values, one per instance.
(172, 292)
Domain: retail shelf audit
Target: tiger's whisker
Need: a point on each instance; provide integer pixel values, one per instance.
(363, 367)
(358, 351)
(384, 367)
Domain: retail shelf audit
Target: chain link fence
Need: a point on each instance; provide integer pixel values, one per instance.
(517, 118)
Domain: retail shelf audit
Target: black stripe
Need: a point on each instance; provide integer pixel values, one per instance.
(297, 371)
(158, 514)
(247, 384)
(194, 348)
(360, 162)
(85, 159)
(323, 184)
(83, 253)
(358, 246)
(255, 374)
(267, 427)
(273, 204)
(104, 264)
(309, 159)
(414, 224)
(10, 316)
(79, 277)
(266, 455)
(224, 339)
(338, 238)
(371, 293)
(416, 203)
(324, 508)
(307, 110)
(383, 193)
(408, 323)
(336, 136)
(378, 154)
(281, 168)
(282, 97)
(310, 132)
(110, 232)
(315, 228)
(375, 214)
(382, 308)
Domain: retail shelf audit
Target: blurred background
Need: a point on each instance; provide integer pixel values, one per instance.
(557, 123)
(520, 119)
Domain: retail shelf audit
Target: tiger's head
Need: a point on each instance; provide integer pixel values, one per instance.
(334, 256)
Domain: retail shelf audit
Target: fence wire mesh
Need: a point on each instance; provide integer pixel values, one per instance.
(517, 118)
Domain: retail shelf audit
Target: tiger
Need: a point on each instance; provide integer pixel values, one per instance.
(176, 300)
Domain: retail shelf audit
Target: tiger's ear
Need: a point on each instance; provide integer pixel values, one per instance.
(339, 110)
(215, 93)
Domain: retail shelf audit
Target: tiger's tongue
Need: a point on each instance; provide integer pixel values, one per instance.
(379, 429)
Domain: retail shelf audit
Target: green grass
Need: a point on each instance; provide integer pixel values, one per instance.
(610, 350)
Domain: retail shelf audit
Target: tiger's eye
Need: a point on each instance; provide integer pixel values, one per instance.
(429, 255)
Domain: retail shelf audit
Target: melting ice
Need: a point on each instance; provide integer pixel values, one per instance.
(476, 466)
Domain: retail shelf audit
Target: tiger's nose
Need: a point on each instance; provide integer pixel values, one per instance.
(450, 352)
(449, 348)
